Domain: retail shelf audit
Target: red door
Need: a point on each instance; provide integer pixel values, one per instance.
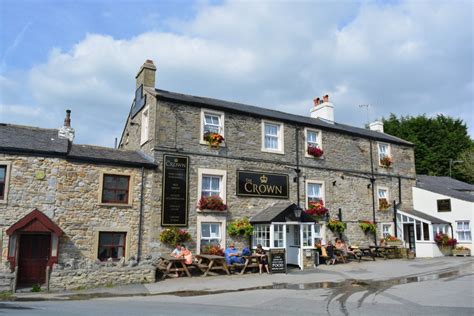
(33, 259)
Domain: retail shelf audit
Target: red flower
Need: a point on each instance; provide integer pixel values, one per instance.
(315, 151)
(214, 203)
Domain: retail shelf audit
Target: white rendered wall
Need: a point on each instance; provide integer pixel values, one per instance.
(426, 202)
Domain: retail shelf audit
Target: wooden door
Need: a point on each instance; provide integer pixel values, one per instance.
(33, 258)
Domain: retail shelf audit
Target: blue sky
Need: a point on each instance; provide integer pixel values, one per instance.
(405, 57)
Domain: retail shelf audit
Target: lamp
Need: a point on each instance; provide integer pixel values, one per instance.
(298, 211)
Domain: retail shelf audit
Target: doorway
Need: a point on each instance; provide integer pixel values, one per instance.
(293, 248)
(409, 235)
(34, 252)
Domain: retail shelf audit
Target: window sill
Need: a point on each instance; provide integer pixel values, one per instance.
(115, 205)
(279, 152)
(205, 211)
(313, 157)
(203, 142)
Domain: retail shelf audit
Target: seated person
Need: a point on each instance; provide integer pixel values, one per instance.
(345, 250)
(177, 251)
(262, 259)
(186, 254)
(232, 255)
(330, 253)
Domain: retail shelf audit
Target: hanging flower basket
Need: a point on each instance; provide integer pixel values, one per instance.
(368, 226)
(214, 140)
(383, 204)
(213, 203)
(443, 240)
(336, 226)
(386, 161)
(315, 151)
(240, 228)
(173, 236)
(317, 210)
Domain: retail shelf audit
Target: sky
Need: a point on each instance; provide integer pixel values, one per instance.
(401, 57)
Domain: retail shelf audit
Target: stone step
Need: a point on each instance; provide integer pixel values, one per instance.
(5, 289)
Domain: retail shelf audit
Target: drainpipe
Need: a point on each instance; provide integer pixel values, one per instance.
(372, 182)
(395, 206)
(140, 218)
(297, 170)
(395, 217)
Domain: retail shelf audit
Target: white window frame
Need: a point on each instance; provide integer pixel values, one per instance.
(319, 142)
(389, 154)
(145, 126)
(391, 231)
(463, 230)
(211, 218)
(323, 197)
(8, 165)
(263, 228)
(213, 172)
(202, 123)
(378, 196)
(280, 135)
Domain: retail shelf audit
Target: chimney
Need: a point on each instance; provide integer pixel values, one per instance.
(323, 109)
(376, 126)
(66, 131)
(146, 74)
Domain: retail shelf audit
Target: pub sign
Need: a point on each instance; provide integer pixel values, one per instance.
(444, 205)
(262, 184)
(174, 210)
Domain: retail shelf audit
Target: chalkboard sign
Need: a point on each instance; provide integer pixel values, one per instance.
(277, 260)
(174, 211)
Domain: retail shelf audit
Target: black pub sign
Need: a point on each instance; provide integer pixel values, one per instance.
(444, 205)
(262, 184)
(174, 210)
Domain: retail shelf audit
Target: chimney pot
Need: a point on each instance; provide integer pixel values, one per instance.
(323, 109)
(326, 98)
(316, 101)
(67, 131)
(67, 119)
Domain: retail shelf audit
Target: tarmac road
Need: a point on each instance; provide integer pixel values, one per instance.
(444, 288)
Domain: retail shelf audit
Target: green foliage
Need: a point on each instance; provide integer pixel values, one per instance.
(36, 288)
(336, 226)
(437, 140)
(240, 228)
(173, 236)
(465, 171)
(367, 227)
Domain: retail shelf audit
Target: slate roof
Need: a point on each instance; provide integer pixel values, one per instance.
(34, 140)
(446, 186)
(432, 219)
(276, 115)
(278, 213)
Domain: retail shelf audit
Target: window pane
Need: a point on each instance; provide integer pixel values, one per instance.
(2, 173)
(418, 230)
(459, 225)
(215, 184)
(466, 225)
(271, 129)
(426, 232)
(122, 183)
(205, 230)
(206, 183)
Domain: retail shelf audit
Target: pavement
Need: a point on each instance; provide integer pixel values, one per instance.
(380, 274)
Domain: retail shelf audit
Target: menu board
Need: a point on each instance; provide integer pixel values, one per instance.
(174, 211)
(277, 260)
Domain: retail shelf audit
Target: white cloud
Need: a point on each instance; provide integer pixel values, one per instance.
(406, 58)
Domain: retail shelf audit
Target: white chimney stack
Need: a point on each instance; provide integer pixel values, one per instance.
(323, 109)
(376, 126)
(67, 131)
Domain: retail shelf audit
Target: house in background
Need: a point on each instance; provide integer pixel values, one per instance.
(451, 203)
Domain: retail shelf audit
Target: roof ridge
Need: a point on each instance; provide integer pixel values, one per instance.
(28, 127)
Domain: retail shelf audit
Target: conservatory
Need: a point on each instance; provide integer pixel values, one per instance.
(286, 226)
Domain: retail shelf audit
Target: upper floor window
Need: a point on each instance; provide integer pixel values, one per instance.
(463, 230)
(272, 137)
(212, 122)
(115, 189)
(211, 185)
(144, 126)
(383, 198)
(3, 178)
(111, 245)
(385, 158)
(313, 143)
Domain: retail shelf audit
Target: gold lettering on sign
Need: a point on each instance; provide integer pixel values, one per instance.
(263, 187)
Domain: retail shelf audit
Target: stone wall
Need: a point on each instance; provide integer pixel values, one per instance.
(69, 195)
(100, 275)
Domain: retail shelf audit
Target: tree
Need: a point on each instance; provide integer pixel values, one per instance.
(464, 171)
(437, 140)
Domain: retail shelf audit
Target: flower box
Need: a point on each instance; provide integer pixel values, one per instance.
(462, 252)
(396, 243)
(446, 250)
(386, 162)
(315, 151)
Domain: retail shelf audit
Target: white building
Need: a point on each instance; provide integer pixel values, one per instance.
(450, 205)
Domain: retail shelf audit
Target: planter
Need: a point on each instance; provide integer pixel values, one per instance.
(446, 251)
(462, 253)
(396, 243)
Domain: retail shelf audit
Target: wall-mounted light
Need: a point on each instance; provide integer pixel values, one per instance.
(133, 124)
(334, 183)
(368, 186)
(298, 211)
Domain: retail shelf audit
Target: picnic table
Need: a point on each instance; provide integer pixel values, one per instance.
(210, 263)
(363, 252)
(339, 254)
(170, 264)
(251, 261)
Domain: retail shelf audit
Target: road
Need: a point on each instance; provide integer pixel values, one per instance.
(447, 293)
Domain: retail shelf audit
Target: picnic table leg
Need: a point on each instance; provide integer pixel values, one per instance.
(186, 269)
(245, 266)
(224, 265)
(211, 263)
(168, 270)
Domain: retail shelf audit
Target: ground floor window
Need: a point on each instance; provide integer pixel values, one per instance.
(111, 245)
(463, 230)
(210, 235)
(278, 236)
(386, 230)
(440, 229)
(261, 235)
(307, 236)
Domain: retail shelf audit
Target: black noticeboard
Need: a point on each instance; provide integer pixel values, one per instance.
(174, 210)
(444, 205)
(277, 260)
(262, 184)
